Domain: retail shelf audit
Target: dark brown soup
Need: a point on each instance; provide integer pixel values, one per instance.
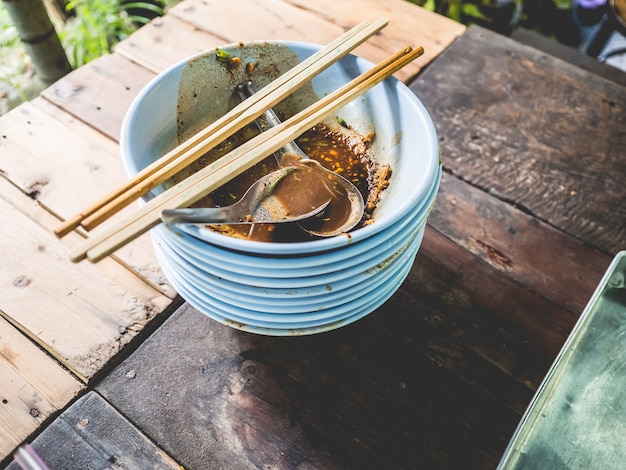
(332, 149)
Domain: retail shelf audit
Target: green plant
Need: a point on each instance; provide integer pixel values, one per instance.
(8, 33)
(97, 25)
(552, 18)
(449, 8)
(15, 62)
(499, 15)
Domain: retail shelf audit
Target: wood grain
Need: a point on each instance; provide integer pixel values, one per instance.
(533, 130)
(174, 39)
(424, 28)
(36, 158)
(100, 92)
(527, 250)
(315, 22)
(33, 387)
(82, 315)
(188, 29)
(92, 434)
(436, 378)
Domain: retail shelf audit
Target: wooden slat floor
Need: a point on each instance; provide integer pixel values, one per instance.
(439, 376)
(101, 364)
(63, 324)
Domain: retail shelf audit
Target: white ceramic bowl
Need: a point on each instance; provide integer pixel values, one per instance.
(301, 287)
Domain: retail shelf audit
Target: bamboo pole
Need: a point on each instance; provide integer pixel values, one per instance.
(39, 37)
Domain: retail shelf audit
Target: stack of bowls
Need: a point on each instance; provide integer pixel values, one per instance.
(301, 287)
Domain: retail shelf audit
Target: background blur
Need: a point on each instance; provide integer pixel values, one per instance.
(90, 28)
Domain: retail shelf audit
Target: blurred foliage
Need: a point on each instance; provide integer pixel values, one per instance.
(90, 29)
(499, 15)
(15, 63)
(552, 18)
(8, 32)
(95, 26)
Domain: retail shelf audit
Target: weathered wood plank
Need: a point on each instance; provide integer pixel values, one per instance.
(321, 22)
(32, 387)
(480, 307)
(570, 54)
(100, 92)
(253, 20)
(49, 161)
(82, 314)
(227, 425)
(406, 21)
(66, 178)
(107, 85)
(92, 434)
(527, 250)
(436, 378)
(534, 130)
(176, 41)
(273, 19)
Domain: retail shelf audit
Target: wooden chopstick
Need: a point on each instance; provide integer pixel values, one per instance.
(217, 173)
(196, 146)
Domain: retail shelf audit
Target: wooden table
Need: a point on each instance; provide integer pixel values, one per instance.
(62, 324)
(528, 218)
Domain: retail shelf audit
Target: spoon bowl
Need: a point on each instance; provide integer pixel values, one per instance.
(267, 201)
(346, 207)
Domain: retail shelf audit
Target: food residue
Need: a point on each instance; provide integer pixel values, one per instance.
(331, 148)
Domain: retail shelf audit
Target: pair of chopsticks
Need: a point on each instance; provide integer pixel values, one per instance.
(243, 114)
(217, 173)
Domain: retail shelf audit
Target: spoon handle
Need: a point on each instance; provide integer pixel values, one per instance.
(246, 90)
(202, 215)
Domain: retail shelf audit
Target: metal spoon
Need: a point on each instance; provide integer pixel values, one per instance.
(346, 206)
(266, 201)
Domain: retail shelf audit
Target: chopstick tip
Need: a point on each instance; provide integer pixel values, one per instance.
(77, 254)
(380, 23)
(67, 226)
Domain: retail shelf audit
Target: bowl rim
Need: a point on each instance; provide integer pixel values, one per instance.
(292, 248)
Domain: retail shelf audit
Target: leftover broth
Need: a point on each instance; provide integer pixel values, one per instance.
(334, 145)
(331, 148)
